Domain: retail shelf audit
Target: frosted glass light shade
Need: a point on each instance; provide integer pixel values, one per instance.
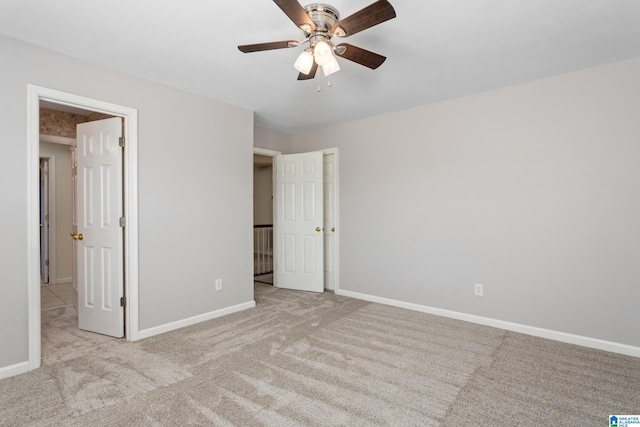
(322, 53)
(331, 67)
(304, 62)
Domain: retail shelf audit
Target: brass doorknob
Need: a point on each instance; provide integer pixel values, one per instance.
(318, 229)
(333, 229)
(77, 236)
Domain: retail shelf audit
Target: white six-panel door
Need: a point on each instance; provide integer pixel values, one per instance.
(298, 222)
(99, 204)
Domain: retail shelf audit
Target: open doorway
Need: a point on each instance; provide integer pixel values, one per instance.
(127, 119)
(57, 155)
(330, 213)
(55, 217)
(263, 218)
(58, 213)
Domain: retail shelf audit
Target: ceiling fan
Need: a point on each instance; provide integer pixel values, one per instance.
(320, 23)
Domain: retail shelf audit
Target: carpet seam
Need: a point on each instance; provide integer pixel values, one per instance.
(474, 375)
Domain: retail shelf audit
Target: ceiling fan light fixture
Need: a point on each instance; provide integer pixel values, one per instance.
(331, 67)
(322, 53)
(320, 23)
(304, 62)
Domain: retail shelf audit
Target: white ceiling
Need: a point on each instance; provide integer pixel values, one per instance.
(435, 50)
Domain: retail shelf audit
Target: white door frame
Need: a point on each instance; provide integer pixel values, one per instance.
(130, 167)
(53, 273)
(334, 151)
(265, 152)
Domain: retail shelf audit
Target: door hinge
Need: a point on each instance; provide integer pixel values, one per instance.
(123, 302)
(46, 263)
(123, 221)
(121, 141)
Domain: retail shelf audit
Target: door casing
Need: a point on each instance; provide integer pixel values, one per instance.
(130, 117)
(51, 241)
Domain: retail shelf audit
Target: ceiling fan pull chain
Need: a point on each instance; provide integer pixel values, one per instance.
(318, 79)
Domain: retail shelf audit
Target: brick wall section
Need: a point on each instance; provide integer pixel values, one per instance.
(60, 123)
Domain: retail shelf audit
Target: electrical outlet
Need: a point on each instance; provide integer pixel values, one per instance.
(479, 290)
(218, 284)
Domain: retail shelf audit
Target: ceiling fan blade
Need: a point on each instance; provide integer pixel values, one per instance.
(374, 14)
(258, 47)
(296, 13)
(311, 74)
(359, 55)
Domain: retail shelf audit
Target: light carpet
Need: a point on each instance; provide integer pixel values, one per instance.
(318, 360)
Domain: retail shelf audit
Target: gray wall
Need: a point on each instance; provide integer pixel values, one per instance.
(272, 140)
(532, 190)
(195, 201)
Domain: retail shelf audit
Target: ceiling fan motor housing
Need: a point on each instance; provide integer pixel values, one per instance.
(324, 16)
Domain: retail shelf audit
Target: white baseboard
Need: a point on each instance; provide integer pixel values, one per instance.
(13, 370)
(157, 330)
(63, 280)
(501, 324)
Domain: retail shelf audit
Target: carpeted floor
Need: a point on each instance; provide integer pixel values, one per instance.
(318, 360)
